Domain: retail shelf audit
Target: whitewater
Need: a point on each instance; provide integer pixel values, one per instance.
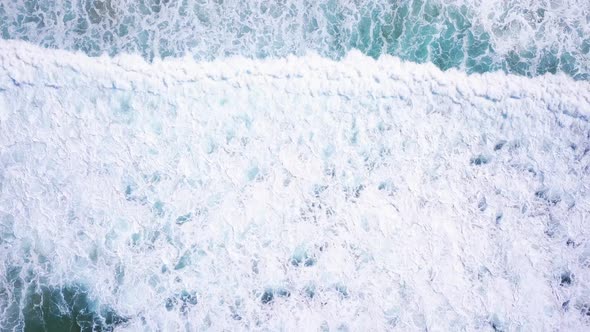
(163, 168)
(297, 193)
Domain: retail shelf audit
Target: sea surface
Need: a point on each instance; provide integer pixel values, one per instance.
(523, 37)
(294, 165)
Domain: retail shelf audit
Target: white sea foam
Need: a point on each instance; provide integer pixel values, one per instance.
(296, 193)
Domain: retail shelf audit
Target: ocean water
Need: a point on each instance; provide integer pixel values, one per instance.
(331, 166)
(524, 37)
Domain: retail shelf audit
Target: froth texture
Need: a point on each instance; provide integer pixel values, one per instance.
(521, 37)
(299, 193)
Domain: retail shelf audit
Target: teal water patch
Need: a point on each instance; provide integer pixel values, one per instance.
(35, 307)
(67, 309)
(183, 300)
(531, 39)
(301, 257)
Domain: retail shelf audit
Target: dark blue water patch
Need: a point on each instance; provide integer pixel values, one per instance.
(499, 216)
(388, 187)
(68, 309)
(14, 283)
(482, 205)
(302, 258)
(566, 279)
(479, 160)
(56, 308)
(499, 145)
(310, 291)
(496, 324)
(565, 305)
(182, 301)
(270, 294)
(128, 192)
(267, 296)
(342, 290)
(550, 196)
(306, 261)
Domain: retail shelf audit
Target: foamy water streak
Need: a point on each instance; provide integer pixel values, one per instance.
(299, 193)
(524, 37)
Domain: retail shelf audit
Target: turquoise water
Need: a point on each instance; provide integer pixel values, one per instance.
(474, 36)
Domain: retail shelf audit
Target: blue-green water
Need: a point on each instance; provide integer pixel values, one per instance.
(474, 36)
(37, 307)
